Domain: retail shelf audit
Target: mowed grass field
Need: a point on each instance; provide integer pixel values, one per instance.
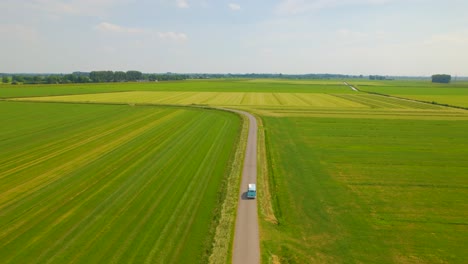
(209, 98)
(241, 85)
(455, 93)
(111, 184)
(359, 190)
(350, 177)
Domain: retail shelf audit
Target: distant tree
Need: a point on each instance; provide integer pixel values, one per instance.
(5, 79)
(37, 79)
(101, 76)
(377, 77)
(120, 76)
(69, 78)
(83, 79)
(152, 77)
(94, 76)
(52, 79)
(17, 78)
(134, 76)
(441, 78)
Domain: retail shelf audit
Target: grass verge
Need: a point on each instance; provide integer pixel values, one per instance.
(224, 234)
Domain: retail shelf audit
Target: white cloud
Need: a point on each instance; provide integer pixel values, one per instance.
(291, 7)
(452, 38)
(106, 27)
(182, 4)
(266, 51)
(75, 7)
(172, 36)
(346, 33)
(19, 32)
(234, 7)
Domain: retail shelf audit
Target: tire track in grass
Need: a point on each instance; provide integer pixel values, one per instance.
(168, 129)
(83, 160)
(204, 169)
(359, 99)
(62, 217)
(141, 188)
(82, 225)
(88, 230)
(164, 209)
(45, 178)
(186, 201)
(172, 196)
(69, 147)
(182, 139)
(58, 221)
(21, 178)
(39, 151)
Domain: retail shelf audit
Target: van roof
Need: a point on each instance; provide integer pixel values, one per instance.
(252, 186)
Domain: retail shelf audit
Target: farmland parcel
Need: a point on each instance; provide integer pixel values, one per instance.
(100, 183)
(347, 176)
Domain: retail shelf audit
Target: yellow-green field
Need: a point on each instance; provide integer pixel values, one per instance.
(456, 100)
(454, 94)
(210, 98)
(112, 183)
(345, 176)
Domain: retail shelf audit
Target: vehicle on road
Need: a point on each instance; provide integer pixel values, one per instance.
(252, 191)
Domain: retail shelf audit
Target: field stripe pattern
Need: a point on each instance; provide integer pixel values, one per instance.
(133, 187)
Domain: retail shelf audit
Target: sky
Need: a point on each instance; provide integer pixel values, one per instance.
(384, 37)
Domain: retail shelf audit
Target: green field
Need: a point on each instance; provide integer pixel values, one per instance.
(242, 86)
(455, 94)
(210, 98)
(368, 190)
(346, 177)
(100, 183)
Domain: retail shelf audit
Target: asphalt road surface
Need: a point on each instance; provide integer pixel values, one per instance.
(246, 237)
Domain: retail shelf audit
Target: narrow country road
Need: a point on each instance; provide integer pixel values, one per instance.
(246, 237)
(352, 87)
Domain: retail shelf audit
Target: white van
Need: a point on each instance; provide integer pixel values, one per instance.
(252, 191)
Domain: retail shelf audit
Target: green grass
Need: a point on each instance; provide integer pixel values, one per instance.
(353, 177)
(351, 190)
(210, 98)
(100, 183)
(455, 93)
(266, 86)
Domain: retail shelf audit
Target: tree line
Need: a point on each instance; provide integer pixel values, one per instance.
(441, 78)
(91, 77)
(380, 78)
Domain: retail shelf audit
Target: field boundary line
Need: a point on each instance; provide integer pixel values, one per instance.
(410, 100)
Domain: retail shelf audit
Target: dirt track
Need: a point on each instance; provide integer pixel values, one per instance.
(246, 237)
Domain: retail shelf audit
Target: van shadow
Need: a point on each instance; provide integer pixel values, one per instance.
(244, 196)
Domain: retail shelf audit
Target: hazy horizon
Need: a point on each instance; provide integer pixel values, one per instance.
(353, 37)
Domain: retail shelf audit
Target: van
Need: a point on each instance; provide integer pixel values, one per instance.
(252, 191)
